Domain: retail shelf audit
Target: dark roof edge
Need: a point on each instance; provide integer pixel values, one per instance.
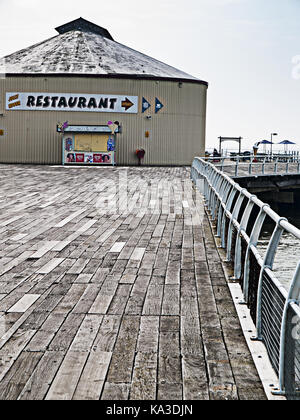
(83, 25)
(111, 76)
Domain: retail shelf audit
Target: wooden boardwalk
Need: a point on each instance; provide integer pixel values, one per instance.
(111, 288)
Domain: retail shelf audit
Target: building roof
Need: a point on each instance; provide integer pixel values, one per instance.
(83, 48)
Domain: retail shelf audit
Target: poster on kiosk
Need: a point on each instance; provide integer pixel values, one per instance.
(89, 145)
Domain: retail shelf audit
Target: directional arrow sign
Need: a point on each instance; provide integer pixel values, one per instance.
(127, 104)
(145, 105)
(158, 105)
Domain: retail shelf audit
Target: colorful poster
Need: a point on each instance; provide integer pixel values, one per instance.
(88, 158)
(70, 157)
(106, 158)
(97, 158)
(69, 144)
(111, 144)
(79, 157)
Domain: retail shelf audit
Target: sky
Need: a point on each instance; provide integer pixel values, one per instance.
(247, 50)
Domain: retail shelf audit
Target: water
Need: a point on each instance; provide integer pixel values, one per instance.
(288, 254)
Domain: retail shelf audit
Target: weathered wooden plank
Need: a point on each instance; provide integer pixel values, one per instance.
(93, 376)
(195, 381)
(24, 303)
(115, 392)
(136, 300)
(50, 266)
(144, 377)
(67, 377)
(120, 299)
(169, 366)
(71, 217)
(86, 333)
(148, 335)
(66, 333)
(11, 350)
(79, 266)
(70, 299)
(117, 247)
(153, 301)
(169, 392)
(87, 299)
(171, 300)
(17, 377)
(47, 246)
(39, 382)
(121, 366)
(107, 334)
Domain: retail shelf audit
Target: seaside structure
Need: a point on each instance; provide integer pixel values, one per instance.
(80, 97)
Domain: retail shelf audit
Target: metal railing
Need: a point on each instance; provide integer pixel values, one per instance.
(274, 310)
(250, 165)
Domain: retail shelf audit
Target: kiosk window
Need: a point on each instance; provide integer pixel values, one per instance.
(83, 142)
(91, 142)
(99, 142)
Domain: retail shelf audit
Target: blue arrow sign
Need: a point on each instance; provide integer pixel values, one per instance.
(158, 105)
(145, 105)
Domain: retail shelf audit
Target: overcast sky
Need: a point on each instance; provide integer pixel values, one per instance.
(247, 50)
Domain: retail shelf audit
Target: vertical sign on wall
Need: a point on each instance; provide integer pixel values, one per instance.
(145, 105)
(158, 105)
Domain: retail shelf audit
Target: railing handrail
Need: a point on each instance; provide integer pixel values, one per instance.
(287, 226)
(219, 192)
(248, 163)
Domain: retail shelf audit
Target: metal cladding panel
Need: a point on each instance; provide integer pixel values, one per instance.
(176, 132)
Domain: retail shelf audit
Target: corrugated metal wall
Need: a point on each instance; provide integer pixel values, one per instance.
(177, 132)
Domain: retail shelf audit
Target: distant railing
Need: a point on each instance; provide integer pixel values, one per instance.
(250, 165)
(275, 311)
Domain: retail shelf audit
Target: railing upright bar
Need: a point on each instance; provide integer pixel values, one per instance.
(219, 201)
(276, 166)
(213, 195)
(237, 167)
(253, 240)
(243, 227)
(225, 196)
(218, 184)
(227, 209)
(267, 263)
(263, 166)
(233, 219)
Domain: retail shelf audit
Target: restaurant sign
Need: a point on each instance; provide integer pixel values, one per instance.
(24, 101)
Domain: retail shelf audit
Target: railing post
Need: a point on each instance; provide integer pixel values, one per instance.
(225, 195)
(238, 245)
(213, 183)
(268, 263)
(227, 208)
(263, 166)
(218, 184)
(219, 197)
(237, 166)
(234, 216)
(250, 165)
(254, 238)
(276, 165)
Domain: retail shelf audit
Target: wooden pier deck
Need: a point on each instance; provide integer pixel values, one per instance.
(111, 288)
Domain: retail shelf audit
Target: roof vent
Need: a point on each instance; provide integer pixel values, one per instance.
(84, 26)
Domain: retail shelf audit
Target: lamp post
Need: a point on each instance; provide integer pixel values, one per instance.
(273, 134)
